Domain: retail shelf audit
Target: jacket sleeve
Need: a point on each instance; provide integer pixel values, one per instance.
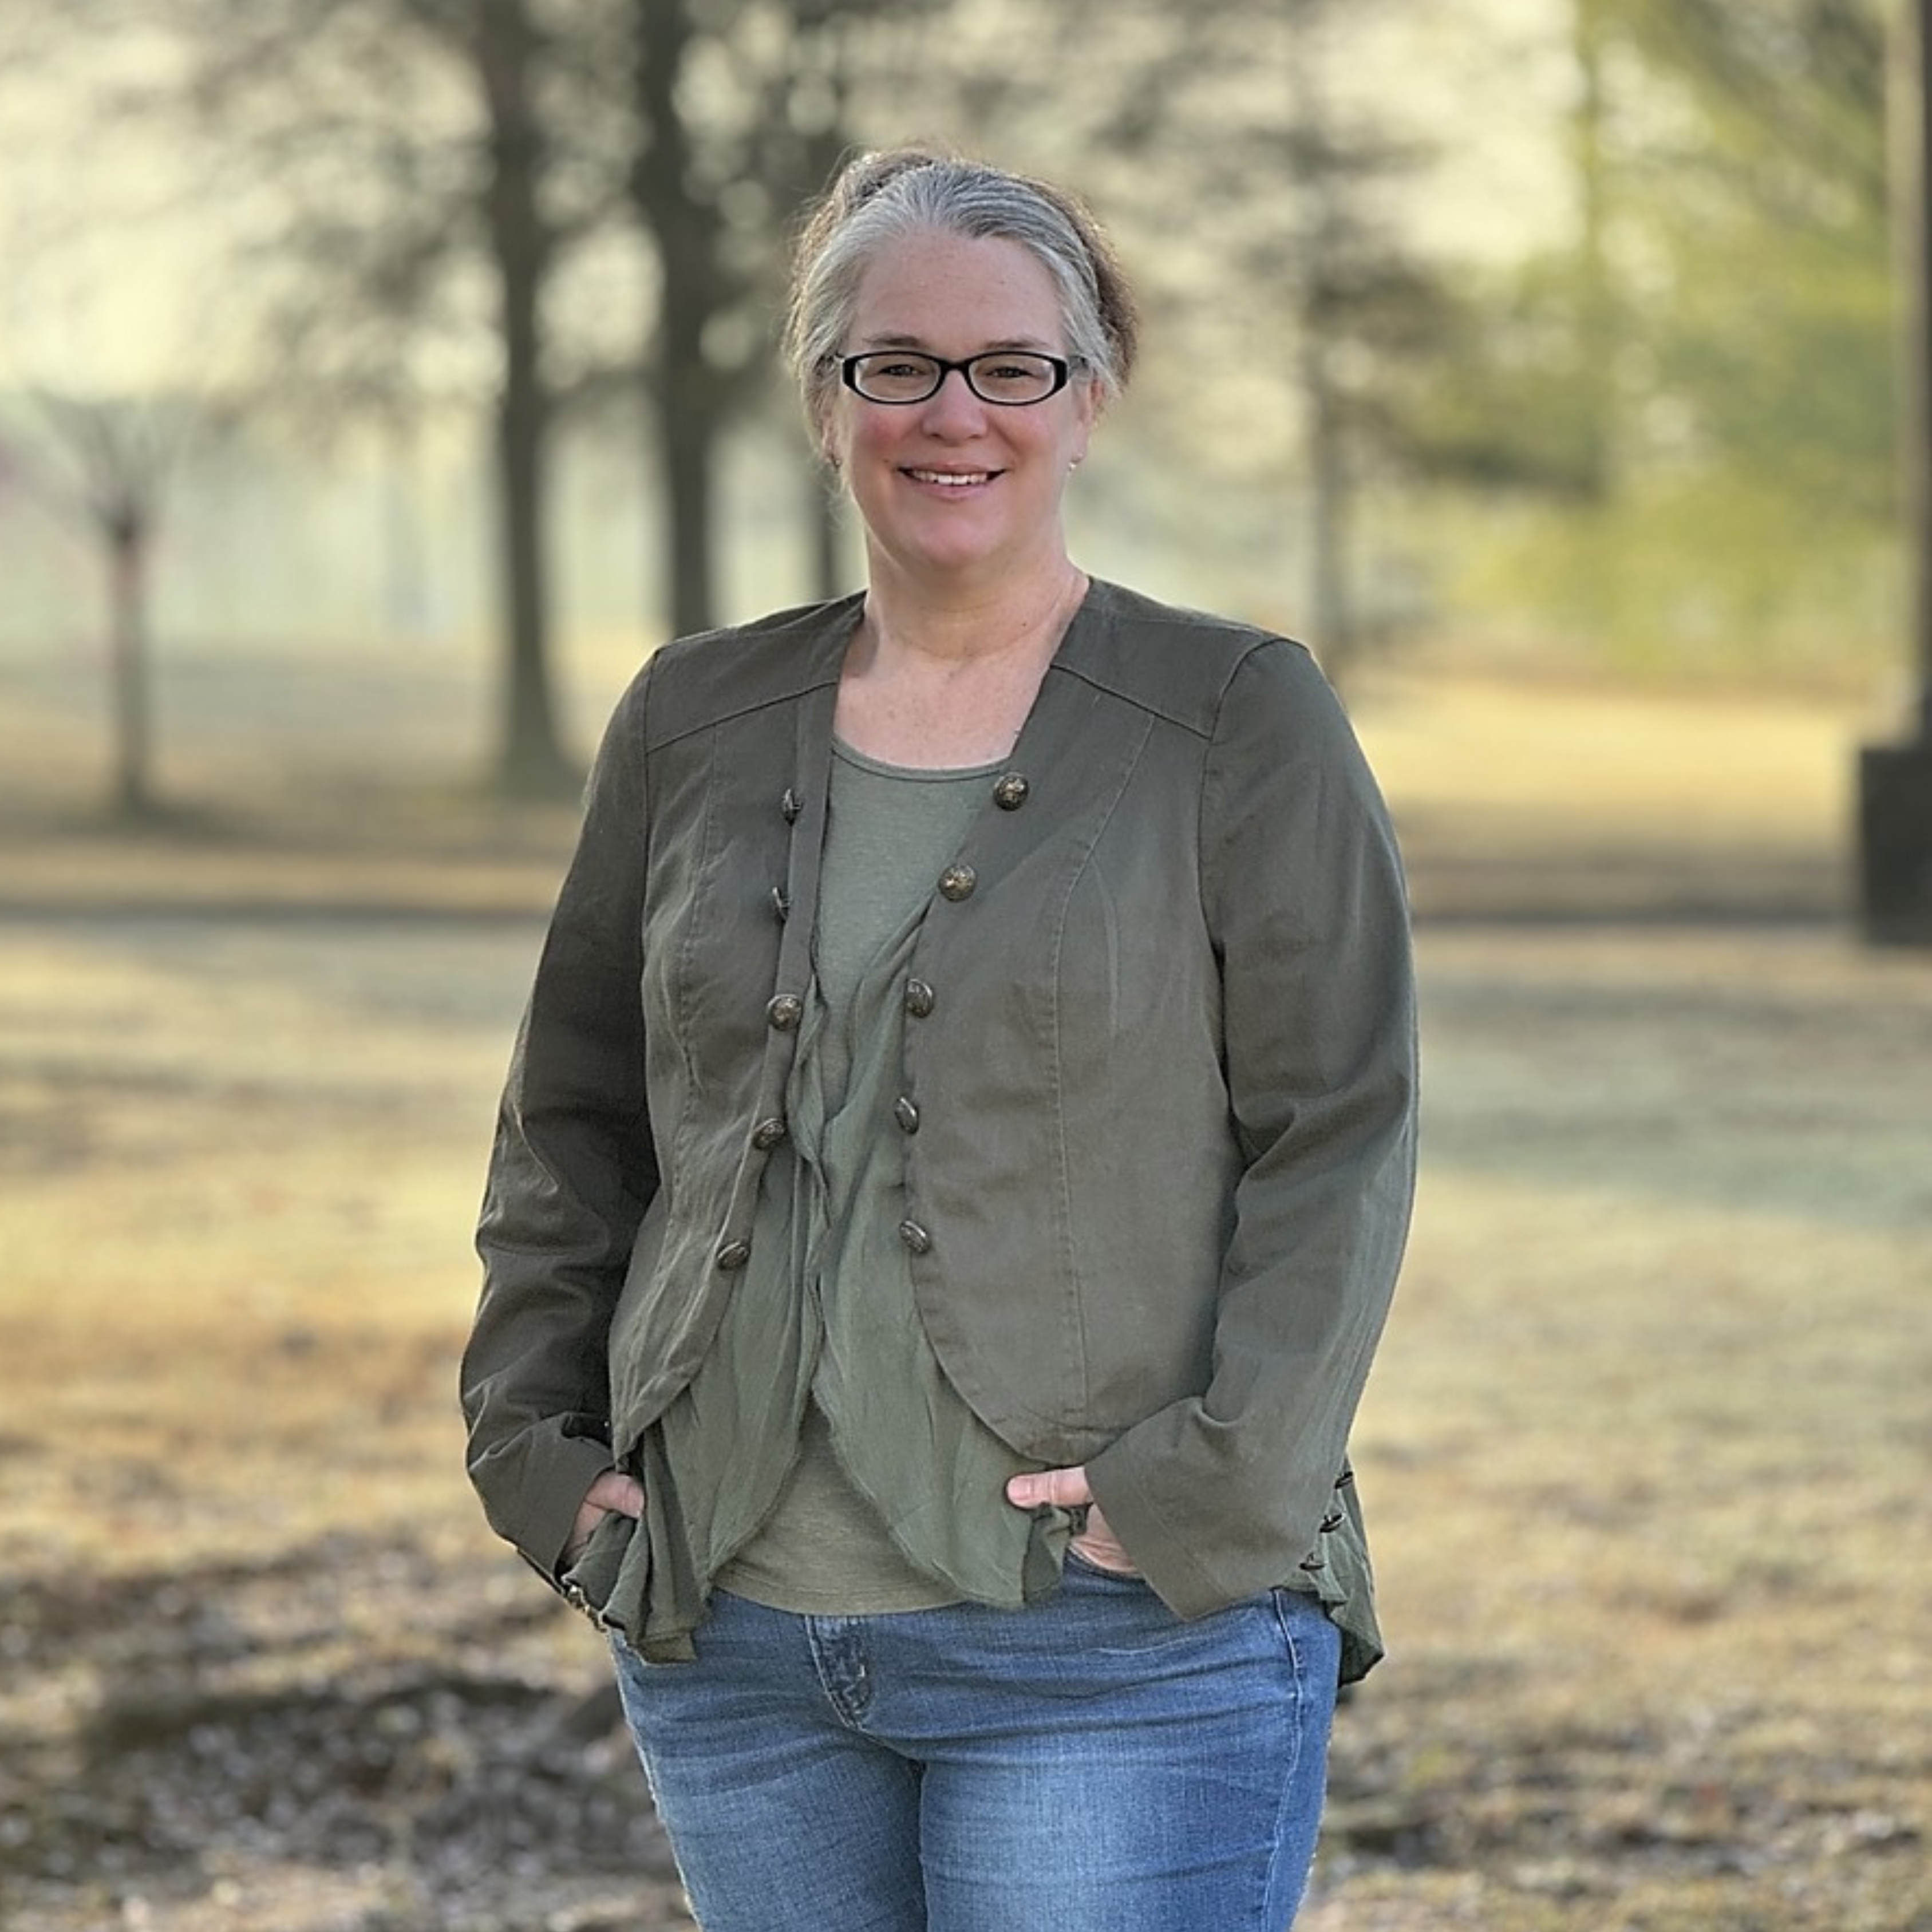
(572, 1172)
(1224, 1495)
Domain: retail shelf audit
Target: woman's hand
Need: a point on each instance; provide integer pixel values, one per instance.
(1067, 1489)
(612, 1492)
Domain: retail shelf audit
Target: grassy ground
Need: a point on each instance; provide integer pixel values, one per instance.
(1645, 1454)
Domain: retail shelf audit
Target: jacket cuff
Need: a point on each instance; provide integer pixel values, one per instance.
(1164, 1555)
(532, 1501)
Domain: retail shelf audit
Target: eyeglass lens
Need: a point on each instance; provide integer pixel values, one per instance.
(1004, 377)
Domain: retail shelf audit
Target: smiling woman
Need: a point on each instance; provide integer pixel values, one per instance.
(955, 1167)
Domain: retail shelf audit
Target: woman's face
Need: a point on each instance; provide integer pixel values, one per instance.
(953, 489)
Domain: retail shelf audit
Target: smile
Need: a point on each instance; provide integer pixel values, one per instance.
(952, 479)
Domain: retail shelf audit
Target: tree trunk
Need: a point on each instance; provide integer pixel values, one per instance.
(134, 722)
(1325, 438)
(687, 454)
(692, 290)
(1332, 622)
(529, 760)
(1596, 324)
(1909, 83)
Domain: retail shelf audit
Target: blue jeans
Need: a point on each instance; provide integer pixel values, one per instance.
(1090, 1764)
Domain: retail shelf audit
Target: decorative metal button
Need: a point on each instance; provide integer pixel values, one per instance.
(780, 904)
(956, 882)
(784, 1013)
(1010, 791)
(767, 1134)
(1312, 1564)
(906, 1113)
(733, 1255)
(920, 999)
(791, 805)
(915, 1237)
(1330, 1524)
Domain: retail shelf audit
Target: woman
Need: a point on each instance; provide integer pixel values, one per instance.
(954, 1168)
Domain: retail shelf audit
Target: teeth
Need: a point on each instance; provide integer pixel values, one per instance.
(949, 478)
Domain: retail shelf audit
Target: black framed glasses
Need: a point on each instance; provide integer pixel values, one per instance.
(1012, 378)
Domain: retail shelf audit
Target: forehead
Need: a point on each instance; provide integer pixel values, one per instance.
(931, 288)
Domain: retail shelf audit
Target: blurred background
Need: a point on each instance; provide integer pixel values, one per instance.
(443, 334)
(382, 380)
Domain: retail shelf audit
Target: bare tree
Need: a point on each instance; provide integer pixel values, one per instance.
(112, 460)
(714, 191)
(411, 158)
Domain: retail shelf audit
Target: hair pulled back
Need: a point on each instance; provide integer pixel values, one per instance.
(880, 198)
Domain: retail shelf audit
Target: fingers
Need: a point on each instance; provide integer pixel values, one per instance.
(1098, 1544)
(613, 1493)
(614, 1490)
(1065, 1488)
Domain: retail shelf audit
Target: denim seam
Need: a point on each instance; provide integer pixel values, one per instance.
(1298, 1668)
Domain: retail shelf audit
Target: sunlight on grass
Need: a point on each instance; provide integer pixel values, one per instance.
(1644, 1456)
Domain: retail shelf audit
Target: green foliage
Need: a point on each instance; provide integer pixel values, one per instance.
(1714, 441)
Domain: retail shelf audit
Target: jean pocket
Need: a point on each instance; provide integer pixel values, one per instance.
(1078, 1560)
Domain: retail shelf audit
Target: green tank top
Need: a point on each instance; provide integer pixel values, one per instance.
(889, 832)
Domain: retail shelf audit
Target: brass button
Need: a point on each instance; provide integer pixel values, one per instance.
(915, 1237)
(785, 1012)
(956, 882)
(906, 1113)
(920, 999)
(791, 805)
(780, 904)
(767, 1134)
(733, 1255)
(1009, 793)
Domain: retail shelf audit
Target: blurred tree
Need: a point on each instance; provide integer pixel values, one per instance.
(706, 124)
(742, 111)
(111, 460)
(1708, 373)
(1261, 192)
(412, 209)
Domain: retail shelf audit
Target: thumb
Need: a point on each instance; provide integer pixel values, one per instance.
(1067, 1488)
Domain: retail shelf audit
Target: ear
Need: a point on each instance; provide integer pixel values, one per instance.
(1087, 408)
(827, 433)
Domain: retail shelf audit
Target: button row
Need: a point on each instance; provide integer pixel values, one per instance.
(786, 1012)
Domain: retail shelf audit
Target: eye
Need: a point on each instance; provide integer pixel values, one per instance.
(1015, 376)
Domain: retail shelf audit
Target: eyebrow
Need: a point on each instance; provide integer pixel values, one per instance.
(1030, 344)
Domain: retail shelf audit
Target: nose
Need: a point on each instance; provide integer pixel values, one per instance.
(952, 407)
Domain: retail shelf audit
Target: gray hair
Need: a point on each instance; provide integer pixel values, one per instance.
(878, 198)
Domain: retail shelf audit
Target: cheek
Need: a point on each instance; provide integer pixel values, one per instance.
(871, 433)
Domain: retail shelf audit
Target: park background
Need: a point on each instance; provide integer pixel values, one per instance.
(380, 379)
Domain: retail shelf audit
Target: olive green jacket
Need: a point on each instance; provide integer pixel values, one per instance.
(1159, 1085)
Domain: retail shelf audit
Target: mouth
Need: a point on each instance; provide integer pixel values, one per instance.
(952, 479)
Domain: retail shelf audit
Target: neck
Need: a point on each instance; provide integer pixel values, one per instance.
(951, 624)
